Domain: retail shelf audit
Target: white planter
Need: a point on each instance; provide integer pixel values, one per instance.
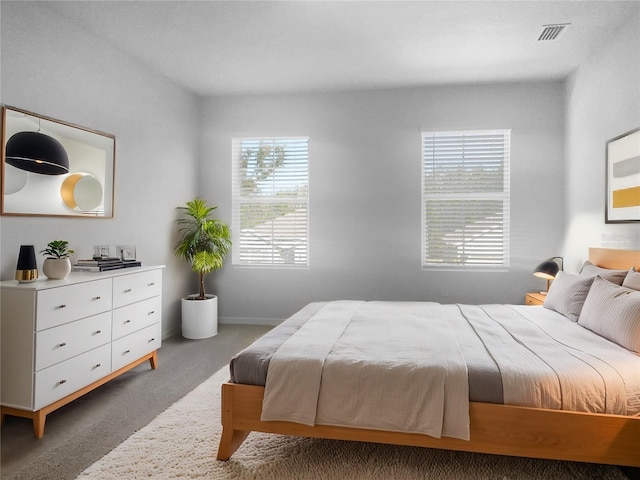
(56, 268)
(199, 317)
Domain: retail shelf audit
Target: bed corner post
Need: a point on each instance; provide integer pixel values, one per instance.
(230, 439)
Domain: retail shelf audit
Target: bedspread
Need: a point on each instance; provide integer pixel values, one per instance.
(350, 366)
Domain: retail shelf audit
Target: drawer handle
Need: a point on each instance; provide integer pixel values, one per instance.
(127, 321)
(151, 312)
(97, 298)
(62, 306)
(151, 284)
(62, 344)
(151, 340)
(98, 332)
(98, 365)
(127, 290)
(126, 351)
(62, 381)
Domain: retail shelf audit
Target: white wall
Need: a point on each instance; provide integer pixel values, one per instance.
(53, 67)
(365, 191)
(603, 101)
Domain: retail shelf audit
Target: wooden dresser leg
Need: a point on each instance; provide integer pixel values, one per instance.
(39, 418)
(153, 360)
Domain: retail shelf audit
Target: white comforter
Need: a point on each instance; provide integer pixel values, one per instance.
(356, 364)
(398, 366)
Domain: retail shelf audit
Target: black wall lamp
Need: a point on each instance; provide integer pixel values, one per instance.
(38, 153)
(549, 269)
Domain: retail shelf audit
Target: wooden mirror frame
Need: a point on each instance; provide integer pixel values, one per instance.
(92, 157)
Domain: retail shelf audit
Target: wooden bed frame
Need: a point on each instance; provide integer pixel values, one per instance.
(496, 429)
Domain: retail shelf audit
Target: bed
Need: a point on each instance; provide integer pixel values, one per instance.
(493, 426)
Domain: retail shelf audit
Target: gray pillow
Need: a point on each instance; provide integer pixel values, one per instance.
(632, 280)
(613, 312)
(614, 276)
(567, 294)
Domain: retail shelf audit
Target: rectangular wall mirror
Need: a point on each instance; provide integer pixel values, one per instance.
(54, 168)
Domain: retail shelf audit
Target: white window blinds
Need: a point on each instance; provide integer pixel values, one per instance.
(270, 224)
(465, 199)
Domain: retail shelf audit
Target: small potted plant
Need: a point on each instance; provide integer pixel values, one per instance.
(57, 264)
(204, 242)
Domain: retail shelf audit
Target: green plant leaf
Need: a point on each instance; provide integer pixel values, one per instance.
(57, 249)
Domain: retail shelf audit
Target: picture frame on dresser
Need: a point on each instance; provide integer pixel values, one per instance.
(61, 339)
(623, 178)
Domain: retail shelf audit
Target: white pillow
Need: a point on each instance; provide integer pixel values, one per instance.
(567, 294)
(613, 312)
(614, 276)
(632, 280)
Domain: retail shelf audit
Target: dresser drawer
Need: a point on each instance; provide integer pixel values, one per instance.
(136, 316)
(64, 378)
(57, 344)
(56, 306)
(127, 349)
(135, 287)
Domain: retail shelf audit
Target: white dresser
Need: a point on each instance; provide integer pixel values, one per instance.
(63, 338)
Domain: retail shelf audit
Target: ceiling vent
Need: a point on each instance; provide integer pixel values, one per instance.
(551, 32)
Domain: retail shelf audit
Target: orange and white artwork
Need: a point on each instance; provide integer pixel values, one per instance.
(623, 178)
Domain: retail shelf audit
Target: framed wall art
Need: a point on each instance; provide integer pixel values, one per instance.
(623, 178)
(54, 168)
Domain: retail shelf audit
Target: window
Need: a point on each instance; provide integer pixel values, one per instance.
(465, 199)
(270, 224)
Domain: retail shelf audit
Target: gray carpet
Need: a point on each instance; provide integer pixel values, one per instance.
(182, 443)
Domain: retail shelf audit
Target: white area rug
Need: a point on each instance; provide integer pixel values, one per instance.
(182, 443)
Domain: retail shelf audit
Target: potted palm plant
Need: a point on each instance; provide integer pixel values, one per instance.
(57, 265)
(204, 242)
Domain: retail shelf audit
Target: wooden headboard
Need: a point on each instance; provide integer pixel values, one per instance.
(615, 259)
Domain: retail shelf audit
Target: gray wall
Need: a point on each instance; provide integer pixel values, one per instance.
(365, 191)
(602, 102)
(56, 68)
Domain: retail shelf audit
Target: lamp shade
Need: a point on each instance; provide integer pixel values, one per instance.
(547, 269)
(27, 268)
(38, 153)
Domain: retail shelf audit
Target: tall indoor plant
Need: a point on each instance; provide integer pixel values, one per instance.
(204, 242)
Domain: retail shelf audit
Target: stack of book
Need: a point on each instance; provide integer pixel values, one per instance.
(103, 264)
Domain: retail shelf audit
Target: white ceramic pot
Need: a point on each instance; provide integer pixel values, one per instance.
(199, 317)
(56, 268)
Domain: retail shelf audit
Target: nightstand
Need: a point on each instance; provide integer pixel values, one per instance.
(535, 298)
